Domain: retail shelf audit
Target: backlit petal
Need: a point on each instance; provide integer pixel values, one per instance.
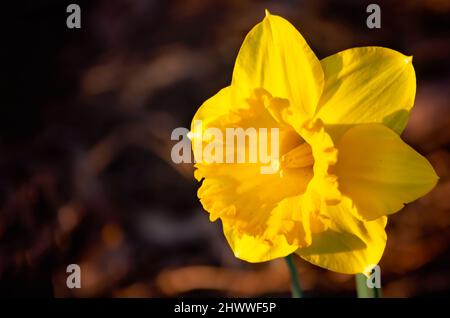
(280, 236)
(380, 172)
(275, 57)
(349, 245)
(367, 85)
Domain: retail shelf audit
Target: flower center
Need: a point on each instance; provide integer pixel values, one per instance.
(295, 151)
(299, 157)
(296, 159)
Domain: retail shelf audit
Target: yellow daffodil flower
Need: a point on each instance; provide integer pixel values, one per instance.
(343, 167)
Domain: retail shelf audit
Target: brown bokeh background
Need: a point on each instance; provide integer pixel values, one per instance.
(85, 169)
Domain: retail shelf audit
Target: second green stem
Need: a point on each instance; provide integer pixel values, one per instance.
(295, 282)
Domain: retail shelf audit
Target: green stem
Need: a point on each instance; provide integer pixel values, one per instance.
(295, 282)
(363, 291)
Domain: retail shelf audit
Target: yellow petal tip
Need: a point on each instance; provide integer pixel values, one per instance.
(408, 59)
(267, 12)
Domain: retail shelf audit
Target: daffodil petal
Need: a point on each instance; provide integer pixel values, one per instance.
(323, 187)
(254, 208)
(349, 245)
(280, 237)
(214, 108)
(275, 57)
(256, 249)
(367, 85)
(380, 172)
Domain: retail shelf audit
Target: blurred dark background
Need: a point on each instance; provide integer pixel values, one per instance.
(85, 169)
